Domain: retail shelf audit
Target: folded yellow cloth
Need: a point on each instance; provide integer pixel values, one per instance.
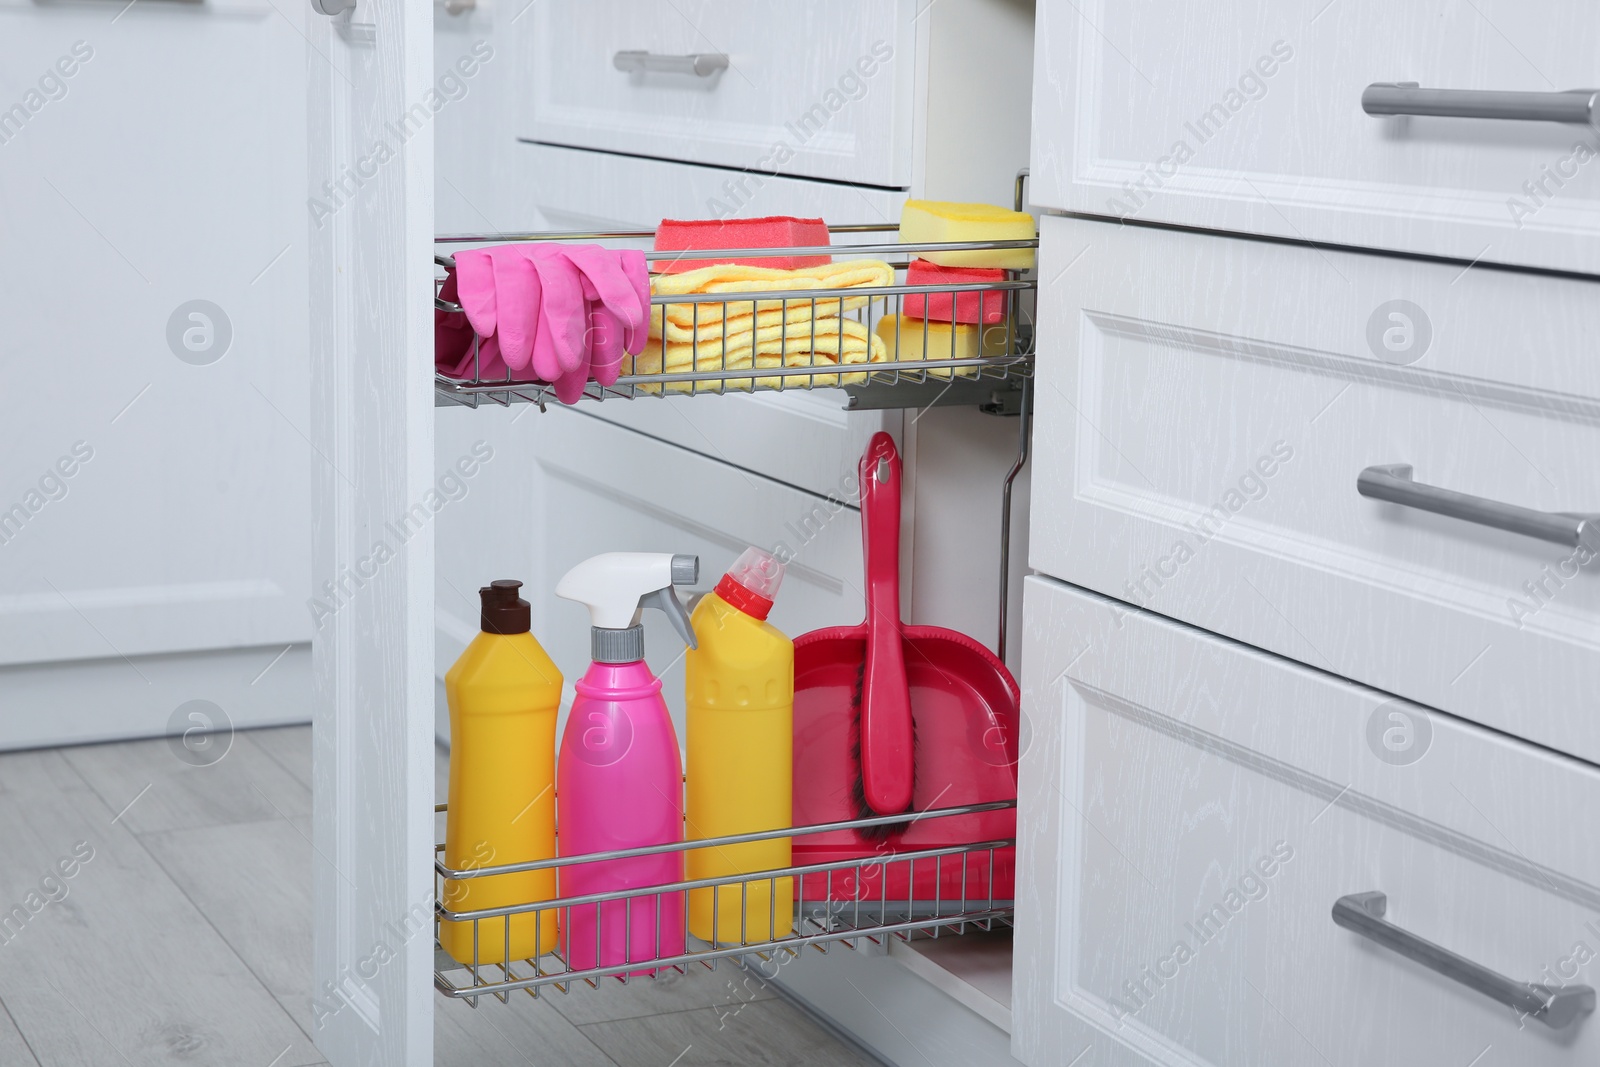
(737, 278)
(822, 343)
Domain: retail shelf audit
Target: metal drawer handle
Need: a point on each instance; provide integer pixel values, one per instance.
(1555, 1007)
(1392, 482)
(700, 64)
(1580, 106)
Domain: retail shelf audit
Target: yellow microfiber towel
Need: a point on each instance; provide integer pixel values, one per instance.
(822, 343)
(737, 278)
(711, 330)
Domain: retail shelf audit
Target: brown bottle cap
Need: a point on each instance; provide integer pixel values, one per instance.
(504, 612)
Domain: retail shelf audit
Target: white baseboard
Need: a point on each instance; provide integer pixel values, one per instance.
(895, 1014)
(78, 702)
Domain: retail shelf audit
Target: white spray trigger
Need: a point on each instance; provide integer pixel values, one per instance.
(617, 587)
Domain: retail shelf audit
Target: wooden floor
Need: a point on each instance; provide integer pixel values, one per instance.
(157, 912)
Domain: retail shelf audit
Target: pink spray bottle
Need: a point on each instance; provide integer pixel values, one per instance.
(619, 778)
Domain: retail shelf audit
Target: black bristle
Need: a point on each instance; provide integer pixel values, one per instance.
(858, 790)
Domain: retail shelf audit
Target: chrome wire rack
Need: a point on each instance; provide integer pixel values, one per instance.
(859, 901)
(942, 366)
(955, 371)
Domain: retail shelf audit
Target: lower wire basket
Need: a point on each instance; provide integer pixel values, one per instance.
(886, 893)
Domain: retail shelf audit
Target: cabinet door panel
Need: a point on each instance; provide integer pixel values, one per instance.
(1191, 809)
(1206, 405)
(156, 493)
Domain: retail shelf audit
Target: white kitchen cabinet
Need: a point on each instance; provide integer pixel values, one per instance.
(1247, 116)
(549, 488)
(1206, 405)
(1190, 812)
(1243, 434)
(156, 503)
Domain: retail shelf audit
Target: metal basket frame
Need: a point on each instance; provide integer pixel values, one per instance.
(817, 924)
(1013, 361)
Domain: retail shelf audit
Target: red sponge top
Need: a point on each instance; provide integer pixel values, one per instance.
(921, 272)
(774, 231)
(990, 305)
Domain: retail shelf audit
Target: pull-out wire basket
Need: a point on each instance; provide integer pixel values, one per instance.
(927, 362)
(844, 901)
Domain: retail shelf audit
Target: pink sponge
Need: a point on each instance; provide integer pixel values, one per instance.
(937, 306)
(775, 231)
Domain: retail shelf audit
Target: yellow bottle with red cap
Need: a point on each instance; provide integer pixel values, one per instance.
(739, 763)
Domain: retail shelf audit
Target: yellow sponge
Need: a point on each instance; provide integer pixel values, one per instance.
(918, 339)
(941, 222)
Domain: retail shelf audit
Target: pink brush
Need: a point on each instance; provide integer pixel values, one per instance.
(891, 717)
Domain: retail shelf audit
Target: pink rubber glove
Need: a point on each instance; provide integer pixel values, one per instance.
(611, 280)
(634, 268)
(569, 387)
(489, 364)
(568, 310)
(617, 291)
(559, 349)
(475, 284)
(518, 297)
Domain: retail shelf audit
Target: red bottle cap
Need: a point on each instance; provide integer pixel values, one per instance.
(751, 603)
(752, 582)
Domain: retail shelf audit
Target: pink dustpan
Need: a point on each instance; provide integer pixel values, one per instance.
(890, 718)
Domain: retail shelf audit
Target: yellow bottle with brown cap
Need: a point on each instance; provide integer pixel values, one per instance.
(503, 692)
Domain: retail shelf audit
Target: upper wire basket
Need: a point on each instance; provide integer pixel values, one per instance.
(941, 360)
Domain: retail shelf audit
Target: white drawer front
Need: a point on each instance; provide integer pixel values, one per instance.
(1206, 405)
(1247, 115)
(1191, 809)
(821, 89)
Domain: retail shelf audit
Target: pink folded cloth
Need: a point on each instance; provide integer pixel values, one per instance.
(452, 333)
(568, 312)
